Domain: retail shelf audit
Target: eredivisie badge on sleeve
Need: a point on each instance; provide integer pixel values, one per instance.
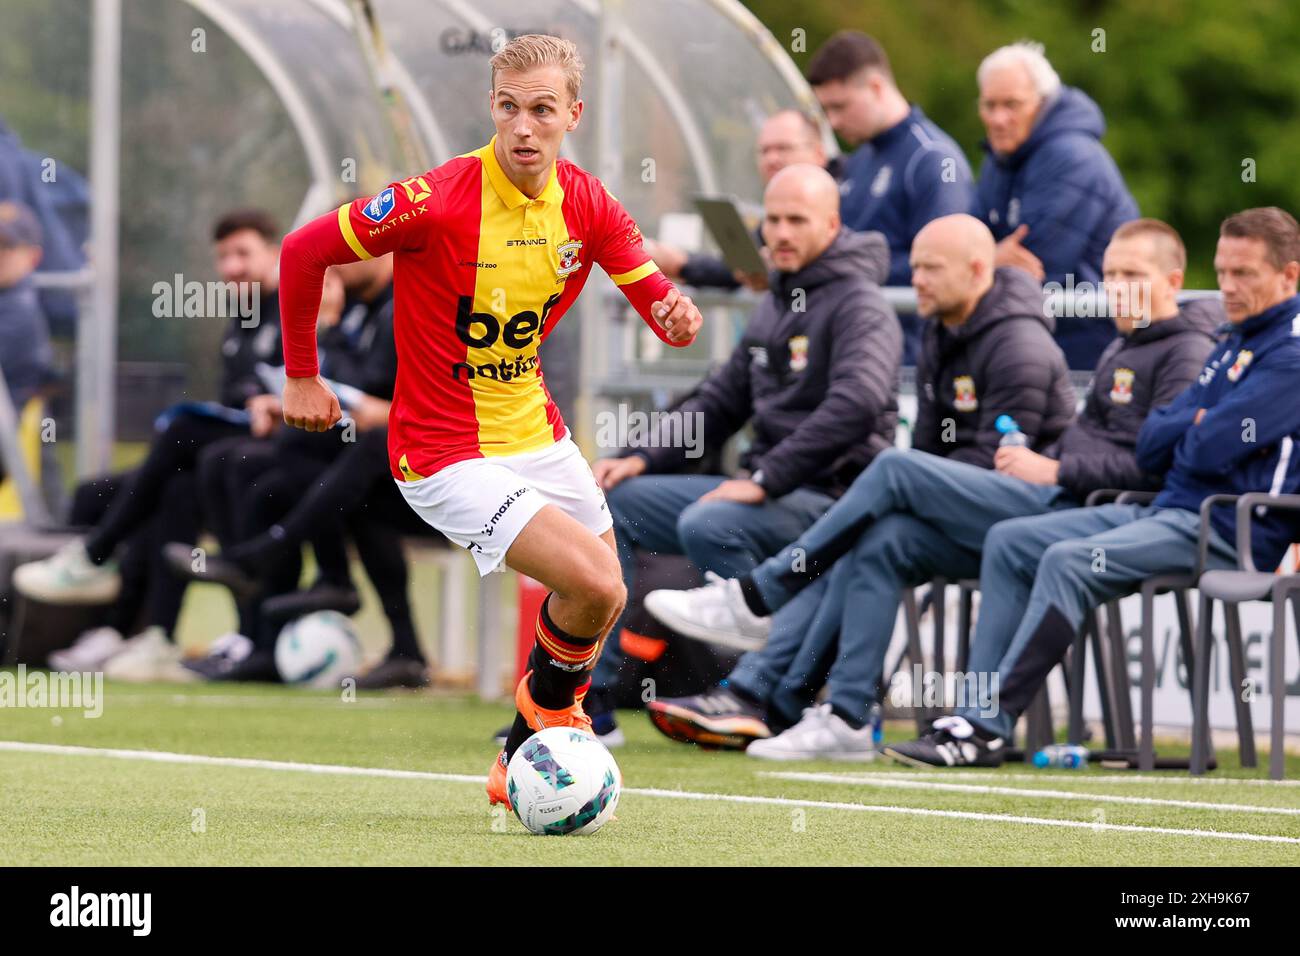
(380, 206)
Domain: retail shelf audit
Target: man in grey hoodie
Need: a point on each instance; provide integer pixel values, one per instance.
(815, 375)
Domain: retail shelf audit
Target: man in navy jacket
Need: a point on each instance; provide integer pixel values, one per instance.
(1233, 431)
(1048, 188)
(905, 171)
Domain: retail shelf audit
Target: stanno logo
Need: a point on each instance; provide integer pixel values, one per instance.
(75, 908)
(526, 242)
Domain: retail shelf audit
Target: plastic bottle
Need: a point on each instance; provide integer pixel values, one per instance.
(1062, 757)
(1010, 431)
(877, 727)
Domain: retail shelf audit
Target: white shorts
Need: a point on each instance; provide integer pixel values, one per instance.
(483, 503)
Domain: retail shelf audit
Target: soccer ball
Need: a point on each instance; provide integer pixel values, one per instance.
(318, 650)
(563, 780)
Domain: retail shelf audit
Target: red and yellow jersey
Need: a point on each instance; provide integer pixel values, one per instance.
(481, 275)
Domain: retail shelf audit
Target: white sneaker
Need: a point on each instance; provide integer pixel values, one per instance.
(819, 735)
(149, 656)
(88, 652)
(613, 738)
(716, 613)
(68, 577)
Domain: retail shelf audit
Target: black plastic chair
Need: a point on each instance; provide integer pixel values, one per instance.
(1234, 587)
(1176, 584)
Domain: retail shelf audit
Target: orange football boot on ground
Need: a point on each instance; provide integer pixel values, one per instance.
(538, 718)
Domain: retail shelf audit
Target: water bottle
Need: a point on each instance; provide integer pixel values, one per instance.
(1062, 757)
(1010, 431)
(877, 727)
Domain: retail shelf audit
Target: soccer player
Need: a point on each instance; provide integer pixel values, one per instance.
(490, 250)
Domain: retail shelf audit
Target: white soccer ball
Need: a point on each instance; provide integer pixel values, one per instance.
(563, 780)
(318, 650)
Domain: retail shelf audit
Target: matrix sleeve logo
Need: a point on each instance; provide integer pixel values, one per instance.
(964, 398)
(569, 262)
(380, 206)
(1121, 386)
(417, 189)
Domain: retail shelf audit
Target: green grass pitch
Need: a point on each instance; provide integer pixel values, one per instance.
(64, 806)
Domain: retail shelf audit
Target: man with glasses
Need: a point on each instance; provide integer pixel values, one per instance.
(1048, 189)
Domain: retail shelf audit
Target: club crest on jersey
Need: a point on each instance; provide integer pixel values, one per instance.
(1239, 367)
(1121, 386)
(380, 206)
(964, 397)
(880, 185)
(798, 353)
(569, 262)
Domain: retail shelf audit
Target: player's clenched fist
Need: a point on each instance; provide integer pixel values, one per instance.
(678, 316)
(310, 405)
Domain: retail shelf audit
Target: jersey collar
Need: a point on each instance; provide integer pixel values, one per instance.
(509, 193)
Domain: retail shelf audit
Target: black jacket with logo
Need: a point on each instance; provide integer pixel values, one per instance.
(1137, 372)
(243, 347)
(815, 373)
(1001, 361)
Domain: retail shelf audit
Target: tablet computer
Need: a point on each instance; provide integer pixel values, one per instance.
(734, 238)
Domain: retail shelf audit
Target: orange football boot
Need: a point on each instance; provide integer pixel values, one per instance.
(538, 718)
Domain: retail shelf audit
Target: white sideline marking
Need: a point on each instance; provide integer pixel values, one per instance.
(160, 756)
(256, 700)
(892, 780)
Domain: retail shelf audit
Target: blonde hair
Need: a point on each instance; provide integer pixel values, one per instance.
(532, 50)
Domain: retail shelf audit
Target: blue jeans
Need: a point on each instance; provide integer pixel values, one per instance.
(907, 518)
(836, 631)
(961, 500)
(664, 514)
(1057, 568)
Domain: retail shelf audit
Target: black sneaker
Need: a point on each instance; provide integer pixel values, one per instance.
(395, 672)
(258, 666)
(718, 718)
(215, 569)
(319, 597)
(599, 706)
(951, 742)
(225, 652)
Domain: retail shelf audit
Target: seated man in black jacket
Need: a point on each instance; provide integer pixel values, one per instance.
(914, 515)
(161, 494)
(815, 375)
(254, 493)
